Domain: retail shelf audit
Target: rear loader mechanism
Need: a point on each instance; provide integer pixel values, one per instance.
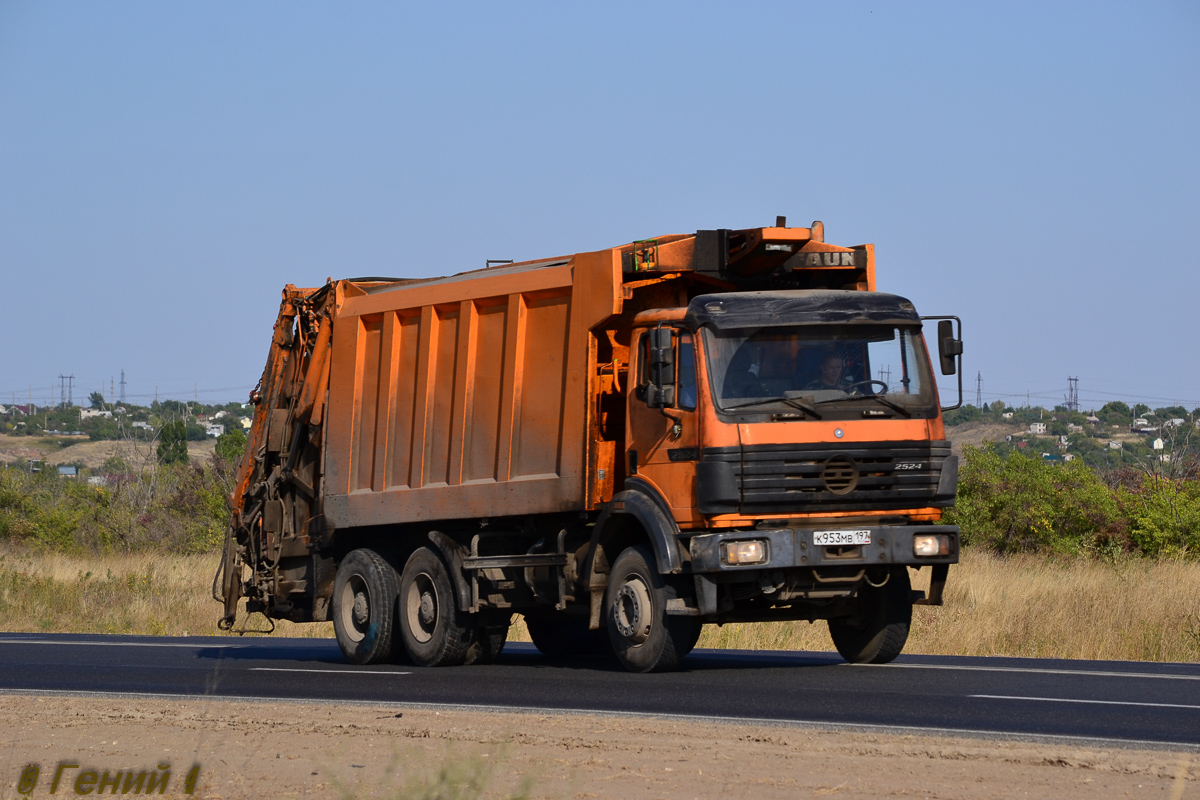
(276, 524)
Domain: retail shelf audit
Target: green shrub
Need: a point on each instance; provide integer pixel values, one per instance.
(172, 443)
(1021, 503)
(180, 508)
(231, 445)
(1164, 516)
(1018, 503)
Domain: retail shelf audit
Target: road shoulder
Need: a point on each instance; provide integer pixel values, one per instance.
(293, 749)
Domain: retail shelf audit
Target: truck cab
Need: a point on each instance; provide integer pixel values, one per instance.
(796, 440)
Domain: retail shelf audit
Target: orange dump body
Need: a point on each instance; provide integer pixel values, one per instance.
(468, 396)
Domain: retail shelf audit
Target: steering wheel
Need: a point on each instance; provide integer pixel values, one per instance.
(868, 384)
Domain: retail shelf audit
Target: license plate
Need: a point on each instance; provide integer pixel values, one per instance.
(826, 538)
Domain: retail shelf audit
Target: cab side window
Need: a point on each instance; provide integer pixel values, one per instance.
(686, 372)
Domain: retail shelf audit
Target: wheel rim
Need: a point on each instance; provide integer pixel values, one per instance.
(633, 611)
(421, 607)
(355, 608)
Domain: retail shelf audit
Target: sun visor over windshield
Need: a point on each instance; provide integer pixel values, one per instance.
(801, 307)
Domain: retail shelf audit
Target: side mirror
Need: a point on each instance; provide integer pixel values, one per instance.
(661, 391)
(949, 348)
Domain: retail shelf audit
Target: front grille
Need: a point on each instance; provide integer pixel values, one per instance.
(774, 479)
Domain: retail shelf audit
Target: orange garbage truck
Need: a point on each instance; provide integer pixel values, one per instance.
(620, 445)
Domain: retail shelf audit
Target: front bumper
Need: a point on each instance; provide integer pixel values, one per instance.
(793, 547)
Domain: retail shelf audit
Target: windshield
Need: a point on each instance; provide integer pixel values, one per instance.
(819, 365)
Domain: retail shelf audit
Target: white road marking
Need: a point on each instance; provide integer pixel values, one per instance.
(338, 671)
(962, 667)
(1091, 702)
(1038, 670)
(124, 644)
(1091, 741)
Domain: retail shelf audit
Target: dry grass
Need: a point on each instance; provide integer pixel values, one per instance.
(1032, 606)
(140, 593)
(1017, 606)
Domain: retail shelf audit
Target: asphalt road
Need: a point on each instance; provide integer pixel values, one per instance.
(1129, 702)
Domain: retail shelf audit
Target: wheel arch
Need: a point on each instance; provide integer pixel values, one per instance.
(636, 515)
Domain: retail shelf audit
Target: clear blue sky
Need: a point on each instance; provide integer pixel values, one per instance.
(165, 168)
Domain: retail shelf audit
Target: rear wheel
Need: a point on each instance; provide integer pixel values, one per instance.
(644, 637)
(567, 637)
(879, 632)
(364, 602)
(434, 632)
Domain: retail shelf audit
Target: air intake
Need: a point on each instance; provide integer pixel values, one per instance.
(840, 475)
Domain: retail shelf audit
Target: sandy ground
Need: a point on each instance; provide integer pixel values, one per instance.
(18, 449)
(286, 750)
(976, 433)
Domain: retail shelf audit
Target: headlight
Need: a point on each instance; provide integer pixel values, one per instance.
(751, 552)
(928, 545)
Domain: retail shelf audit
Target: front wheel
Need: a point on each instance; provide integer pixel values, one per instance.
(364, 601)
(644, 637)
(878, 633)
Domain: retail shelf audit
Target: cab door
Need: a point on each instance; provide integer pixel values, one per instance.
(663, 448)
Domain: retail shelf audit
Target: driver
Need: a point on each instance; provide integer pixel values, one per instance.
(832, 376)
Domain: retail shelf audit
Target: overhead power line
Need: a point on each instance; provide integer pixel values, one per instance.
(1099, 397)
(66, 387)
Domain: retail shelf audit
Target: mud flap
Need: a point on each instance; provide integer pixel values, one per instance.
(937, 583)
(231, 584)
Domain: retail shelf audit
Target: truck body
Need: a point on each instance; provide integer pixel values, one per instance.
(621, 445)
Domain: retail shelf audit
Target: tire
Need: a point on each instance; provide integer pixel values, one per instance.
(364, 607)
(643, 636)
(879, 633)
(689, 644)
(489, 638)
(433, 630)
(567, 637)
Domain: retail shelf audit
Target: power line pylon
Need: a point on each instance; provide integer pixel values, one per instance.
(979, 390)
(66, 390)
(1073, 394)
